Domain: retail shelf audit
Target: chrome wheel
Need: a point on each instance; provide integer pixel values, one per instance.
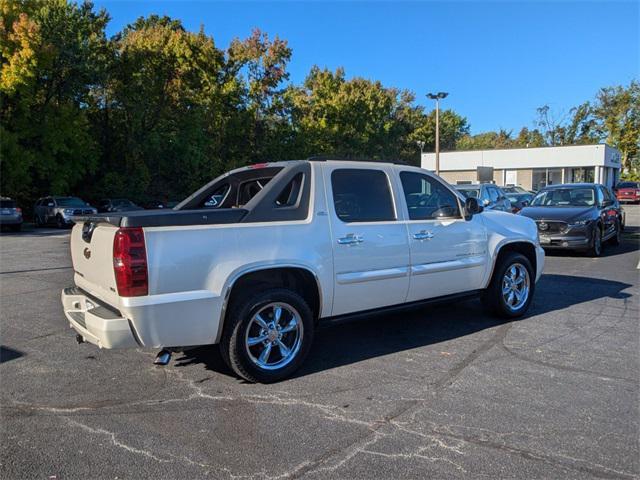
(515, 286)
(274, 336)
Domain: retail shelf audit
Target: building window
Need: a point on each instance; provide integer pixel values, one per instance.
(541, 177)
(583, 175)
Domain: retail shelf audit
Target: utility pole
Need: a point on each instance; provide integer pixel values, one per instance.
(437, 97)
(421, 146)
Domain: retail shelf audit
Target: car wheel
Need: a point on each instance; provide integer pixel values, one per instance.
(596, 242)
(512, 286)
(38, 221)
(59, 221)
(268, 335)
(617, 238)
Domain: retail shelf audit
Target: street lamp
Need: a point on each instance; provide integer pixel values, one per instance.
(421, 146)
(437, 97)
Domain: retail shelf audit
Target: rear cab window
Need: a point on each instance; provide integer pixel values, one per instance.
(362, 195)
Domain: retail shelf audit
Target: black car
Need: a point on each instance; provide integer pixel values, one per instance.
(578, 216)
(116, 205)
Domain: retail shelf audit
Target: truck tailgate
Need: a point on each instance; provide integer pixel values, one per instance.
(92, 258)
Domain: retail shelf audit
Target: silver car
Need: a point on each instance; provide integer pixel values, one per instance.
(490, 196)
(10, 214)
(60, 211)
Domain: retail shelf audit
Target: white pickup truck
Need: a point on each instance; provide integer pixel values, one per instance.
(254, 259)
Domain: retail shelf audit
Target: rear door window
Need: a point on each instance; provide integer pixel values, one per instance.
(361, 195)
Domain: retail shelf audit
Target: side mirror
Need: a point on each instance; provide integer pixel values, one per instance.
(471, 208)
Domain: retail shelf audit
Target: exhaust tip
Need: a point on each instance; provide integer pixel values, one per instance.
(163, 357)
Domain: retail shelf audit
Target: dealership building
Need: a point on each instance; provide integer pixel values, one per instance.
(531, 168)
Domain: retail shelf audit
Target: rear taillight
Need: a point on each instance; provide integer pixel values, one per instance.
(18, 210)
(637, 193)
(130, 262)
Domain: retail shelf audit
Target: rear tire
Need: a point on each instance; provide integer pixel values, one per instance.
(512, 286)
(254, 327)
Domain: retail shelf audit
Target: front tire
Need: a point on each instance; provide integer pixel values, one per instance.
(60, 222)
(617, 238)
(512, 286)
(596, 242)
(268, 335)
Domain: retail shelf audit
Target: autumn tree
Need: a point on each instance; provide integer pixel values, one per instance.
(52, 54)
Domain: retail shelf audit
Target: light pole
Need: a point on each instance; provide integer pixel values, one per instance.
(421, 146)
(437, 97)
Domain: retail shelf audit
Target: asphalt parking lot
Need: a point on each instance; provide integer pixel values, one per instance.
(443, 392)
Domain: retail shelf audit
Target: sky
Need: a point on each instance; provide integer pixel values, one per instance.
(498, 61)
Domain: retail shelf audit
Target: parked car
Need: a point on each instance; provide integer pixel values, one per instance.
(579, 216)
(516, 189)
(60, 210)
(289, 244)
(519, 200)
(159, 204)
(116, 205)
(10, 214)
(628, 192)
(490, 196)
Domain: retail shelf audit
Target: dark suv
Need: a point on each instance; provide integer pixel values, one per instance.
(579, 216)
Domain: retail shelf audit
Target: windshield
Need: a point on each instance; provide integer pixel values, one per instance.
(70, 202)
(628, 185)
(470, 192)
(7, 203)
(565, 197)
(518, 196)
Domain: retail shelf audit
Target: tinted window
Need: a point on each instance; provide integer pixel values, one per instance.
(427, 198)
(291, 193)
(628, 185)
(362, 195)
(470, 192)
(7, 204)
(217, 197)
(70, 202)
(250, 189)
(493, 194)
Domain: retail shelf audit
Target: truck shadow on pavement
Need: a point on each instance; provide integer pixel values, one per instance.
(347, 342)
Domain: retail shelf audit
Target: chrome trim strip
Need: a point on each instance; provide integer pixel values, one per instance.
(371, 275)
(434, 267)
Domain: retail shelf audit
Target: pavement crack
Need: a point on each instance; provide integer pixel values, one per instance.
(113, 439)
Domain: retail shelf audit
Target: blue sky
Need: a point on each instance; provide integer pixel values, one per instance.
(498, 60)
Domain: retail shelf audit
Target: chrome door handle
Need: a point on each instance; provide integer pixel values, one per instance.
(423, 235)
(351, 239)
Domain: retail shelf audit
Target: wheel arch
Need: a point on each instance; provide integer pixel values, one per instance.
(524, 247)
(298, 278)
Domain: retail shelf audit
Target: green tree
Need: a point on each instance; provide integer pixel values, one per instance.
(51, 56)
(617, 116)
(360, 118)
